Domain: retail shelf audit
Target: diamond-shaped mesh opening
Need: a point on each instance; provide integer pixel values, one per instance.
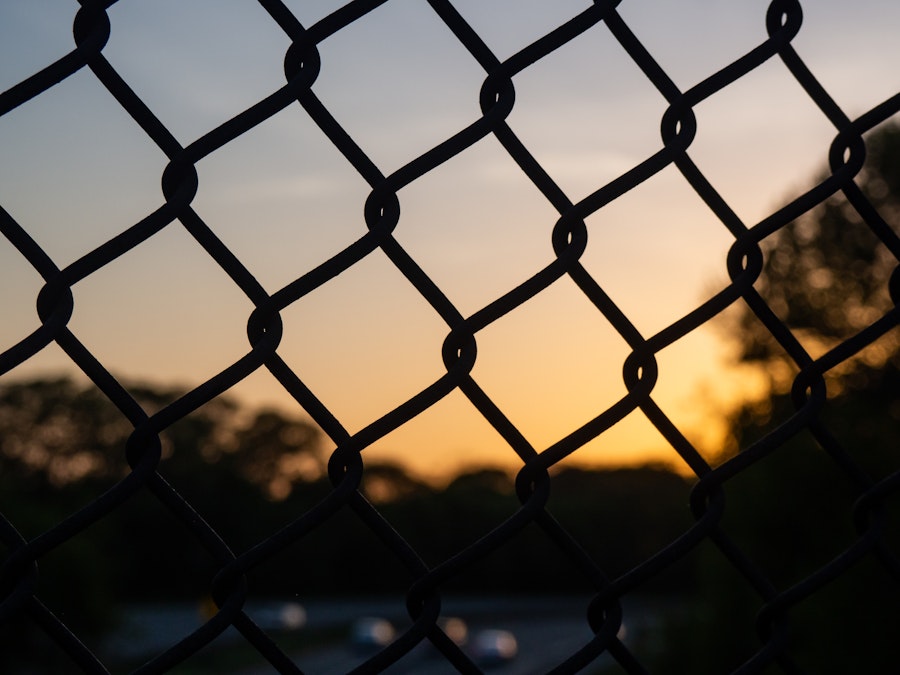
(281, 198)
(551, 394)
(832, 255)
(457, 222)
(117, 314)
(194, 86)
(389, 83)
(77, 144)
(565, 116)
(398, 357)
(640, 258)
(743, 116)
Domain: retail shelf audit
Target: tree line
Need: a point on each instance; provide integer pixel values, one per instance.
(250, 473)
(828, 275)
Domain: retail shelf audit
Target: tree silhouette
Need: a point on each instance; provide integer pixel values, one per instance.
(62, 444)
(827, 274)
(796, 509)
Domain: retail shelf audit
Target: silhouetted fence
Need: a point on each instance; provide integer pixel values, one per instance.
(779, 599)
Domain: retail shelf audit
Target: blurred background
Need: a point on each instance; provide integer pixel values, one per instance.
(164, 317)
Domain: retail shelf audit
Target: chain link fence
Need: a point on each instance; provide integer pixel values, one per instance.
(779, 602)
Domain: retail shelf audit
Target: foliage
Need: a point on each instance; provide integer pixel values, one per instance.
(62, 445)
(827, 276)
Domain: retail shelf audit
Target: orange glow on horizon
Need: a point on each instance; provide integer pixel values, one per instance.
(697, 387)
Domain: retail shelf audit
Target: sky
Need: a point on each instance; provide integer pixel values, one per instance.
(75, 170)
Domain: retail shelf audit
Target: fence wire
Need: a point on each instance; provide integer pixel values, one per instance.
(21, 602)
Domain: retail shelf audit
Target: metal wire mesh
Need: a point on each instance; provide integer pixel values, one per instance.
(180, 184)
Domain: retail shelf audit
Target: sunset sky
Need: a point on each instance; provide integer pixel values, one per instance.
(75, 170)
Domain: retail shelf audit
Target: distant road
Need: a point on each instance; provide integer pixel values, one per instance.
(548, 630)
(543, 644)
